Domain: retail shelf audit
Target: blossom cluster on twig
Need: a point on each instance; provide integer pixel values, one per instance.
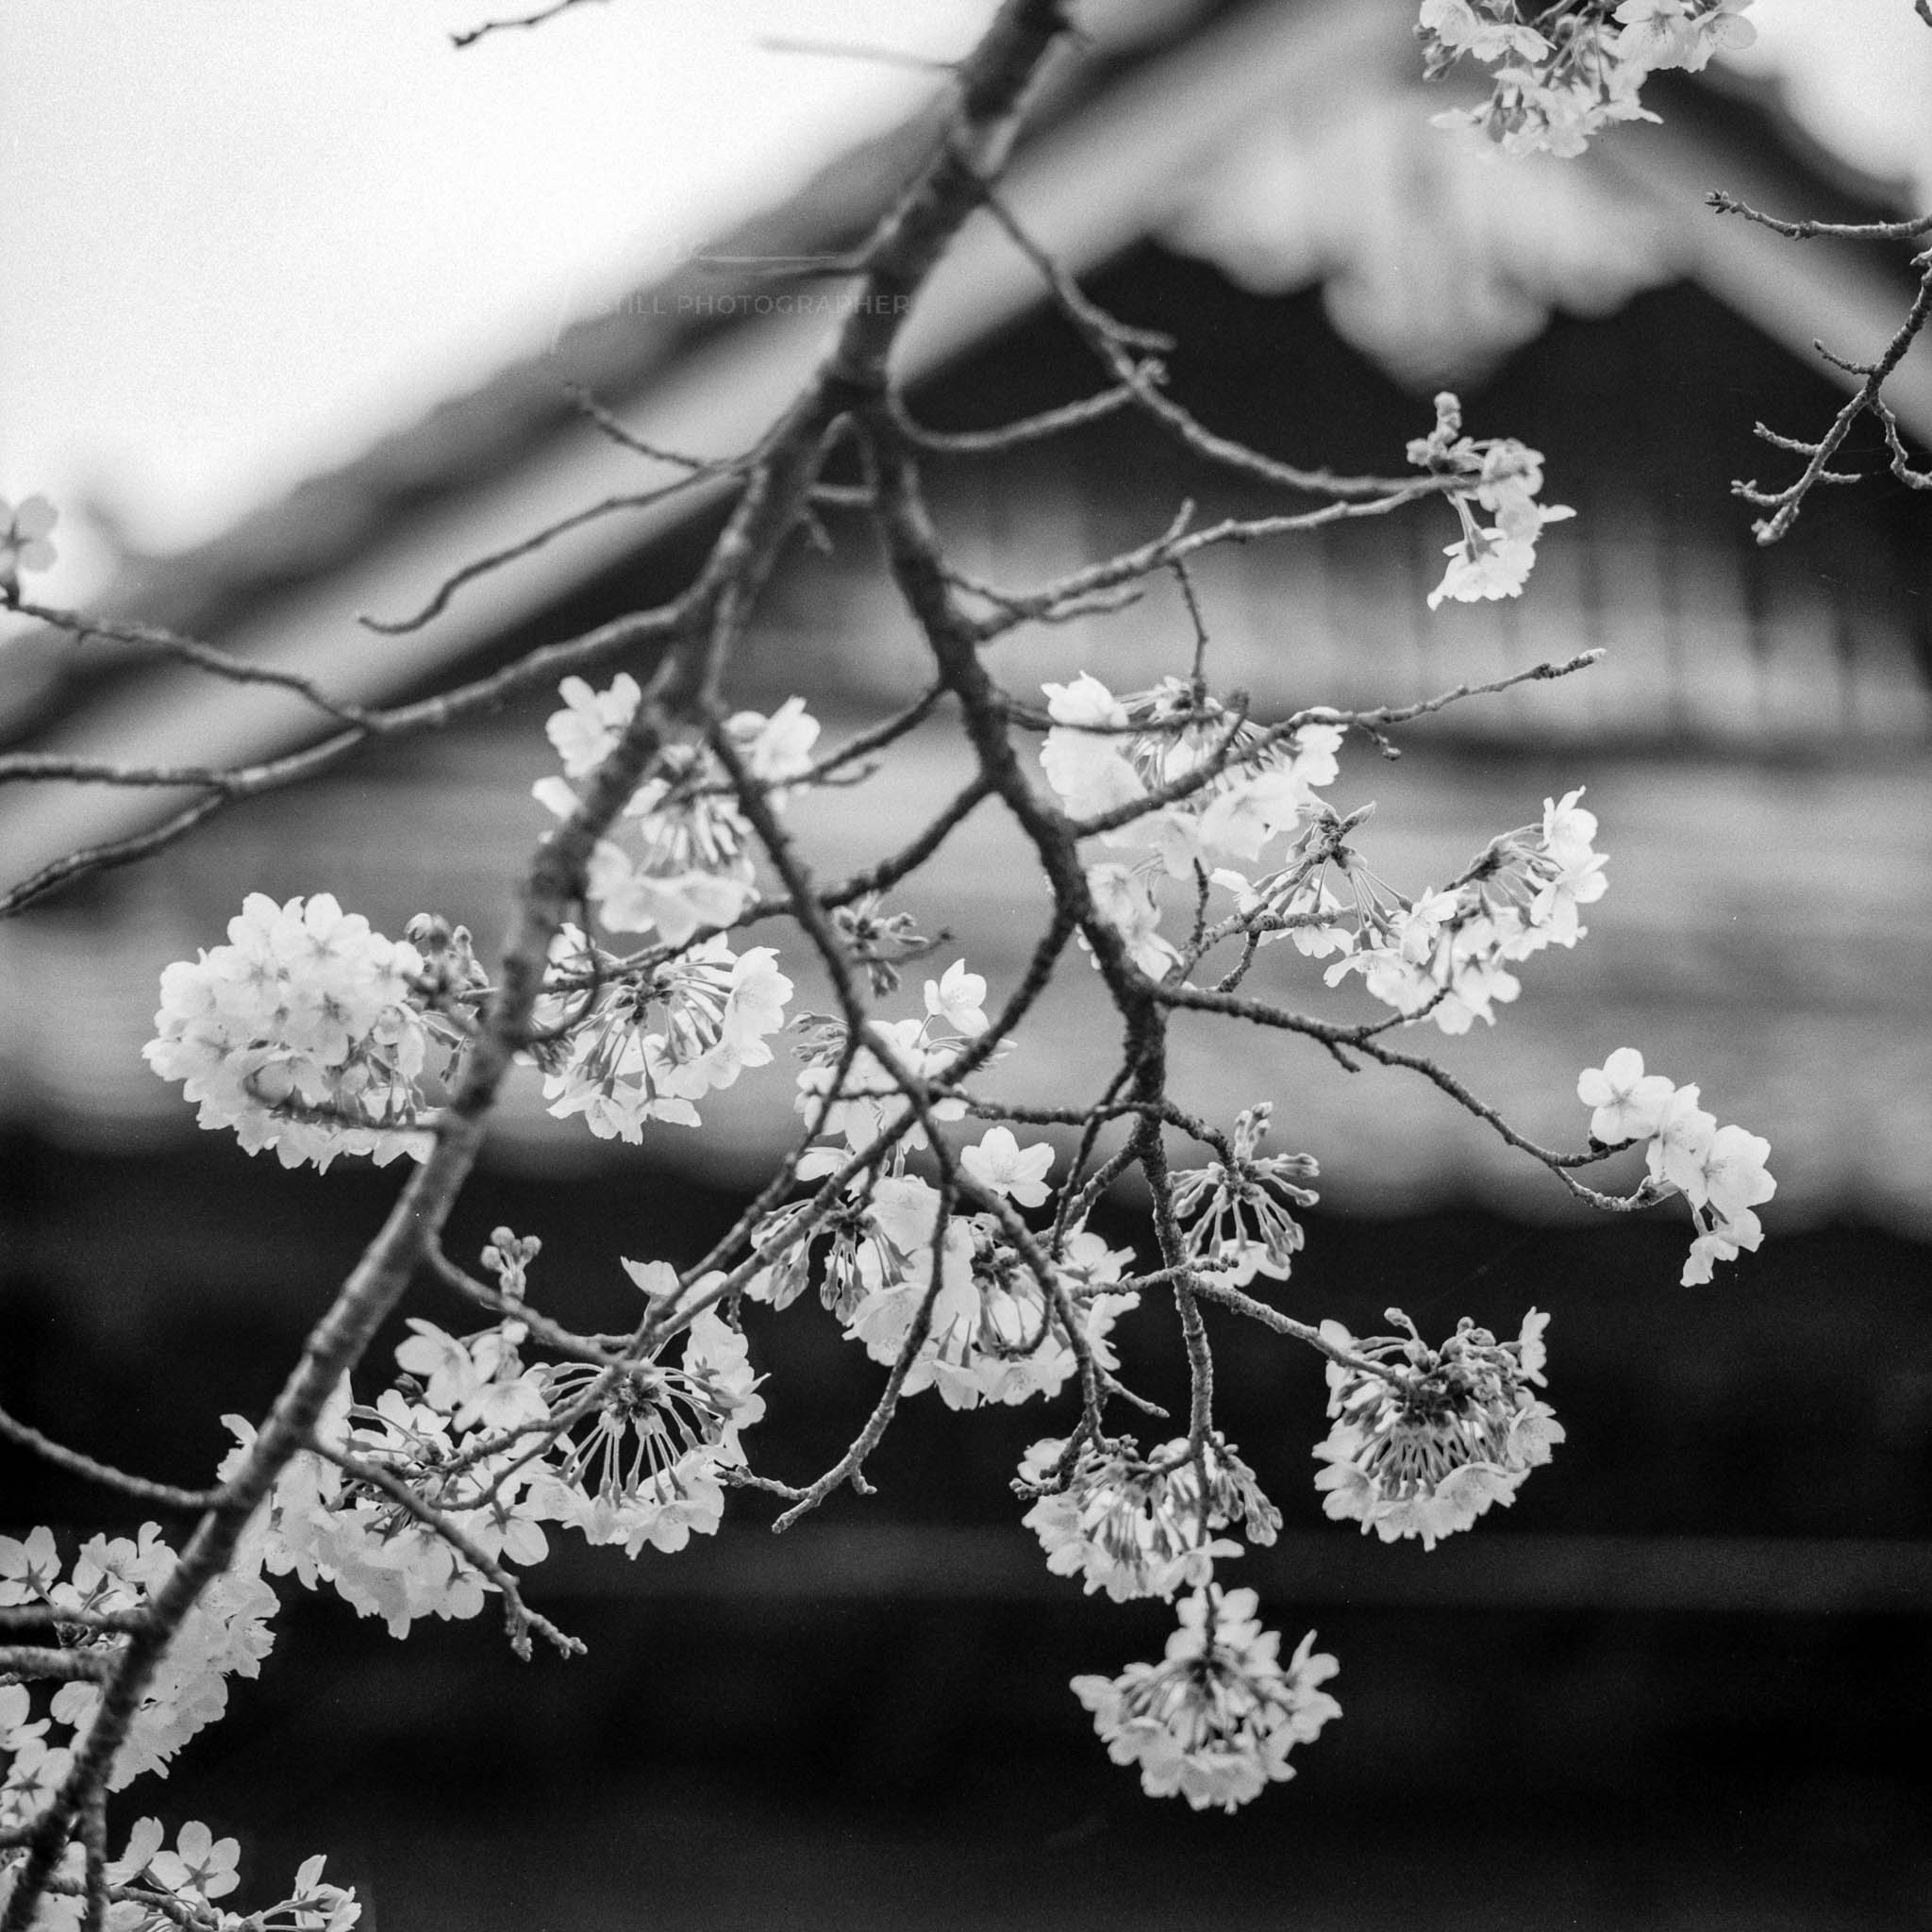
(1564, 70)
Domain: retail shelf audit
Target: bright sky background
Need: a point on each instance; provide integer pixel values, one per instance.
(241, 239)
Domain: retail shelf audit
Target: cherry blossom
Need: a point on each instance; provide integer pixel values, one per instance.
(1682, 1137)
(958, 998)
(1243, 1227)
(24, 540)
(1628, 1103)
(224, 1632)
(29, 1566)
(200, 1864)
(1001, 1165)
(316, 1906)
(1552, 92)
(651, 1044)
(312, 1034)
(1731, 1174)
(1124, 898)
(1140, 1529)
(587, 729)
(1444, 955)
(1503, 476)
(1681, 33)
(1423, 1454)
(1457, 26)
(1216, 1720)
(687, 863)
(646, 1467)
(991, 1334)
(1089, 770)
(778, 747)
(869, 1101)
(305, 1034)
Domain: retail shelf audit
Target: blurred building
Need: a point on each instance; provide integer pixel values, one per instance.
(1261, 182)
(1264, 186)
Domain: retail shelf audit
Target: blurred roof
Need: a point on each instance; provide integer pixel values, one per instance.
(1182, 133)
(1152, 137)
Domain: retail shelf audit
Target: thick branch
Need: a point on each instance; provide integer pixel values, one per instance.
(910, 242)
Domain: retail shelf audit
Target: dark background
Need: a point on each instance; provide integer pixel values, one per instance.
(1683, 1682)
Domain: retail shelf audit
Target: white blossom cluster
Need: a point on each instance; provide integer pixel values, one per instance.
(1241, 1227)
(647, 1464)
(378, 1557)
(1216, 1719)
(309, 1033)
(1427, 1447)
(1720, 1171)
(1445, 954)
(226, 1634)
(627, 1453)
(649, 1045)
(992, 1332)
(155, 1888)
(1567, 69)
(867, 1100)
(687, 862)
(306, 1033)
(1501, 478)
(1106, 755)
(1140, 1529)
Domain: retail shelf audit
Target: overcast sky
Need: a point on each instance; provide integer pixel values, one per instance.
(239, 238)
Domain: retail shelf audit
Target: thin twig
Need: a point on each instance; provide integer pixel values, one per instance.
(856, 50)
(1401, 714)
(519, 1619)
(1807, 231)
(471, 35)
(1048, 423)
(164, 1495)
(217, 663)
(439, 600)
(1112, 340)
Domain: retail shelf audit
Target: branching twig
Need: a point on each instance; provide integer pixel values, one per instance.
(30, 767)
(1364, 1040)
(1113, 342)
(1785, 503)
